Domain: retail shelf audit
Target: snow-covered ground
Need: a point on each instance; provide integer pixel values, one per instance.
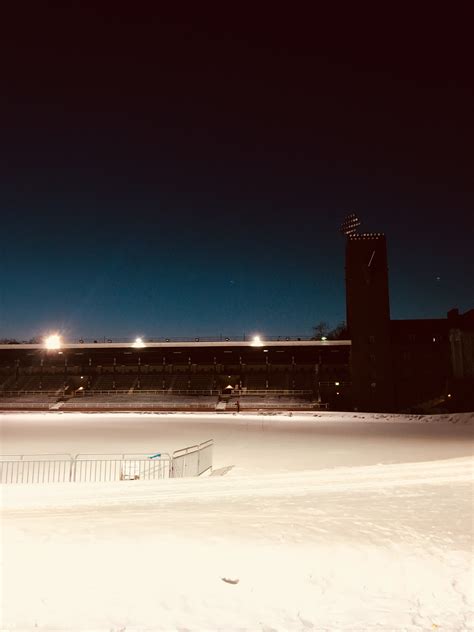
(328, 522)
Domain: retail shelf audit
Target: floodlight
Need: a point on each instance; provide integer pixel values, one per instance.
(324, 338)
(336, 383)
(350, 225)
(53, 342)
(257, 342)
(138, 344)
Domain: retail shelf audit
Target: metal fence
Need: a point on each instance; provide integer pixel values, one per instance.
(35, 468)
(193, 460)
(171, 392)
(43, 393)
(99, 468)
(276, 406)
(24, 405)
(132, 406)
(138, 391)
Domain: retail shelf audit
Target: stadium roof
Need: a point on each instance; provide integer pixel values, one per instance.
(194, 344)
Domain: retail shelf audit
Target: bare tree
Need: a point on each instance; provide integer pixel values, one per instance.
(339, 333)
(320, 330)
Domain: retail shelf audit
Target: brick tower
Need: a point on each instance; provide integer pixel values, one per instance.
(368, 318)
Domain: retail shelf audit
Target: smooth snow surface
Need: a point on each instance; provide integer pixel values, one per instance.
(328, 522)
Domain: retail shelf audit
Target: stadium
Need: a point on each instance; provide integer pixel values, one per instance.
(262, 484)
(218, 412)
(383, 365)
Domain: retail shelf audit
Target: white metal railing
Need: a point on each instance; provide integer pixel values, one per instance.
(136, 392)
(137, 405)
(100, 468)
(193, 460)
(283, 406)
(273, 392)
(45, 392)
(35, 468)
(171, 392)
(94, 468)
(32, 405)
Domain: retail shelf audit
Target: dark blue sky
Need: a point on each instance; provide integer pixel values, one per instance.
(187, 177)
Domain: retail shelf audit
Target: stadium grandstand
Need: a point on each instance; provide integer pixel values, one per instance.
(222, 375)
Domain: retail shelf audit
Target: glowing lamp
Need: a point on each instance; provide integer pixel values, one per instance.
(257, 342)
(53, 342)
(138, 344)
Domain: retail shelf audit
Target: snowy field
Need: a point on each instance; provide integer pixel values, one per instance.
(327, 521)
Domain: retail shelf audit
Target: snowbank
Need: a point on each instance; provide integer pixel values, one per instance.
(380, 541)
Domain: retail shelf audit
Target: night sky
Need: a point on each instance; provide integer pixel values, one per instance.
(182, 175)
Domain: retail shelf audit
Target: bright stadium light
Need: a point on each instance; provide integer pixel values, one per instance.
(138, 344)
(257, 342)
(324, 338)
(53, 341)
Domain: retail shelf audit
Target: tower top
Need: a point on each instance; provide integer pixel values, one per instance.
(350, 225)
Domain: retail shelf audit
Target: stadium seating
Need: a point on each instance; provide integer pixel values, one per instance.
(113, 381)
(151, 382)
(202, 382)
(256, 381)
(38, 382)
